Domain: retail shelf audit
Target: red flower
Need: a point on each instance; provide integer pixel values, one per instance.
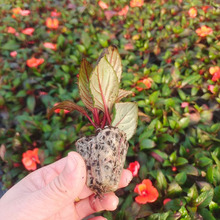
(11, 30)
(184, 104)
(102, 5)
(205, 8)
(215, 72)
(58, 110)
(30, 159)
(144, 84)
(13, 54)
(55, 13)
(211, 88)
(147, 192)
(136, 3)
(134, 168)
(34, 62)
(124, 11)
(28, 31)
(192, 12)
(25, 12)
(52, 23)
(165, 201)
(50, 45)
(204, 31)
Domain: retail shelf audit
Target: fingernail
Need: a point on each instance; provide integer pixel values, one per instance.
(115, 203)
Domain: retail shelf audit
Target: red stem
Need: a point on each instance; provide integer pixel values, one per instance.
(91, 121)
(96, 116)
(103, 121)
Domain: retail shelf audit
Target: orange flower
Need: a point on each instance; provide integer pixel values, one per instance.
(204, 31)
(11, 30)
(52, 23)
(16, 10)
(124, 11)
(102, 5)
(144, 84)
(50, 45)
(28, 31)
(33, 62)
(147, 192)
(192, 12)
(215, 72)
(30, 159)
(136, 3)
(13, 54)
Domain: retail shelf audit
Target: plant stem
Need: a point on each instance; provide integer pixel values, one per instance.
(94, 125)
(96, 116)
(103, 121)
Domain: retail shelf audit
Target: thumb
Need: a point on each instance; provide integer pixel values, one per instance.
(68, 184)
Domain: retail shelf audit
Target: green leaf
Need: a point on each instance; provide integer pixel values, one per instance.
(159, 216)
(86, 40)
(84, 75)
(126, 117)
(10, 45)
(154, 96)
(192, 192)
(184, 122)
(122, 94)
(61, 40)
(204, 199)
(147, 144)
(174, 189)
(181, 161)
(31, 103)
(181, 94)
(205, 161)
(206, 214)
(113, 57)
(103, 40)
(166, 137)
(173, 157)
(104, 86)
(173, 205)
(161, 180)
(190, 80)
(181, 178)
(190, 170)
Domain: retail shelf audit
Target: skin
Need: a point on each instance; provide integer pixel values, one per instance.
(52, 193)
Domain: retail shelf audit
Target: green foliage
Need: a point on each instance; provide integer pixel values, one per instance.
(178, 135)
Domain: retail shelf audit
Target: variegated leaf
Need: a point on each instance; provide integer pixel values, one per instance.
(104, 85)
(84, 74)
(122, 94)
(114, 59)
(126, 117)
(67, 105)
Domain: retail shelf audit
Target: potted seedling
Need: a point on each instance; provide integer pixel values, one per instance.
(115, 122)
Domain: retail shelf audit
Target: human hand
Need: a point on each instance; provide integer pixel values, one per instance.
(51, 193)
